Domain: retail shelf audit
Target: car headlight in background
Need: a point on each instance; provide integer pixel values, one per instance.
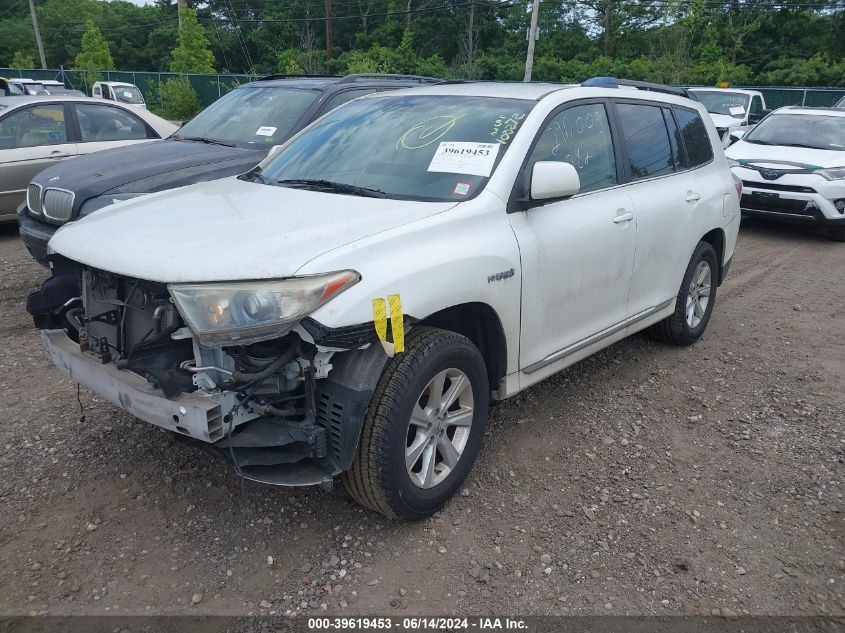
(238, 313)
(94, 204)
(831, 173)
(733, 163)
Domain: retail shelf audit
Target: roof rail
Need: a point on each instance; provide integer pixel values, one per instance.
(393, 76)
(613, 82)
(268, 77)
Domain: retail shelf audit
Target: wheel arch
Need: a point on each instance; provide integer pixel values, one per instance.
(480, 323)
(716, 238)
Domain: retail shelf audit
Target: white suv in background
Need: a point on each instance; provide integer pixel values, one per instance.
(347, 309)
(792, 167)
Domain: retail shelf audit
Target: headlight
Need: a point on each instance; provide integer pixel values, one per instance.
(733, 163)
(246, 312)
(831, 173)
(94, 204)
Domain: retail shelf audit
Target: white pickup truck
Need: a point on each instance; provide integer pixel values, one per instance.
(125, 93)
(732, 109)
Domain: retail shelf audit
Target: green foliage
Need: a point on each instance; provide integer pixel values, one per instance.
(94, 55)
(22, 60)
(701, 42)
(287, 62)
(381, 59)
(193, 54)
(178, 100)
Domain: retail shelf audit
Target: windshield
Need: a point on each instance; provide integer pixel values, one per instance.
(800, 130)
(33, 88)
(408, 147)
(128, 94)
(732, 104)
(251, 116)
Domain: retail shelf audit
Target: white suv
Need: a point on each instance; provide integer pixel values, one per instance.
(792, 166)
(347, 309)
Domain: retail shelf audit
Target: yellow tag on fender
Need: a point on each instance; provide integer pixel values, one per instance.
(380, 318)
(397, 324)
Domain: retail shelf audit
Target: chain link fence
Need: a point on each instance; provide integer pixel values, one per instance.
(777, 96)
(212, 87)
(208, 87)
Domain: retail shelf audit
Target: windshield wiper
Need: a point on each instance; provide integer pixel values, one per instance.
(756, 142)
(801, 145)
(337, 187)
(203, 139)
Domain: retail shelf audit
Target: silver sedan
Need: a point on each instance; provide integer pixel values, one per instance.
(35, 132)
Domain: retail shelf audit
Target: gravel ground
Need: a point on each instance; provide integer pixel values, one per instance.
(644, 480)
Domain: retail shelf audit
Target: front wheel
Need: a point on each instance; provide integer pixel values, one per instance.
(695, 300)
(423, 428)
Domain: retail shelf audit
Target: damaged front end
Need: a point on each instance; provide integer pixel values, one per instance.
(237, 367)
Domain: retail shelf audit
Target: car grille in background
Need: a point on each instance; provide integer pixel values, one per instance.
(33, 198)
(774, 204)
(57, 204)
(776, 187)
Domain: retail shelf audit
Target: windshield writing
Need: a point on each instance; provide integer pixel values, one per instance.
(410, 147)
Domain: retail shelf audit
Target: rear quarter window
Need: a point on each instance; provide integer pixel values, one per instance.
(694, 134)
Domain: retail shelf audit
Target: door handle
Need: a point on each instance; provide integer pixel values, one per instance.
(58, 155)
(692, 196)
(624, 216)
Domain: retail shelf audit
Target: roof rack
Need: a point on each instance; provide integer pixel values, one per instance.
(395, 77)
(613, 82)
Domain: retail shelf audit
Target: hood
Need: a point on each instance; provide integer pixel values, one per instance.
(723, 121)
(228, 230)
(147, 167)
(779, 157)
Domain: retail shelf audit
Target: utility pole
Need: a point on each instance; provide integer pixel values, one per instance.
(470, 52)
(532, 37)
(37, 34)
(181, 5)
(329, 36)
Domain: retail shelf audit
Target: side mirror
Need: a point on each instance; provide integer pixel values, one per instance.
(553, 179)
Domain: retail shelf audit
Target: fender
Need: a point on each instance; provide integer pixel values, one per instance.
(432, 265)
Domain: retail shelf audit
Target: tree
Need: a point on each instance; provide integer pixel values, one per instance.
(193, 54)
(179, 100)
(22, 60)
(94, 56)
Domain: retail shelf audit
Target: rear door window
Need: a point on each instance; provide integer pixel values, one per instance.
(107, 123)
(646, 140)
(695, 137)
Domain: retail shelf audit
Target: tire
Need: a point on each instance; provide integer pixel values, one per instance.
(836, 233)
(379, 478)
(678, 329)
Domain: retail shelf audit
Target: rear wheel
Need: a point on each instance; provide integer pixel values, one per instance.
(695, 300)
(423, 428)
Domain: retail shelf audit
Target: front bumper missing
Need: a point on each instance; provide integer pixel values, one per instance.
(266, 450)
(196, 416)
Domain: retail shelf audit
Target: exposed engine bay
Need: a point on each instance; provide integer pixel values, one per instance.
(276, 408)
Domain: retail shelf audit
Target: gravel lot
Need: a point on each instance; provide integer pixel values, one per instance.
(645, 480)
